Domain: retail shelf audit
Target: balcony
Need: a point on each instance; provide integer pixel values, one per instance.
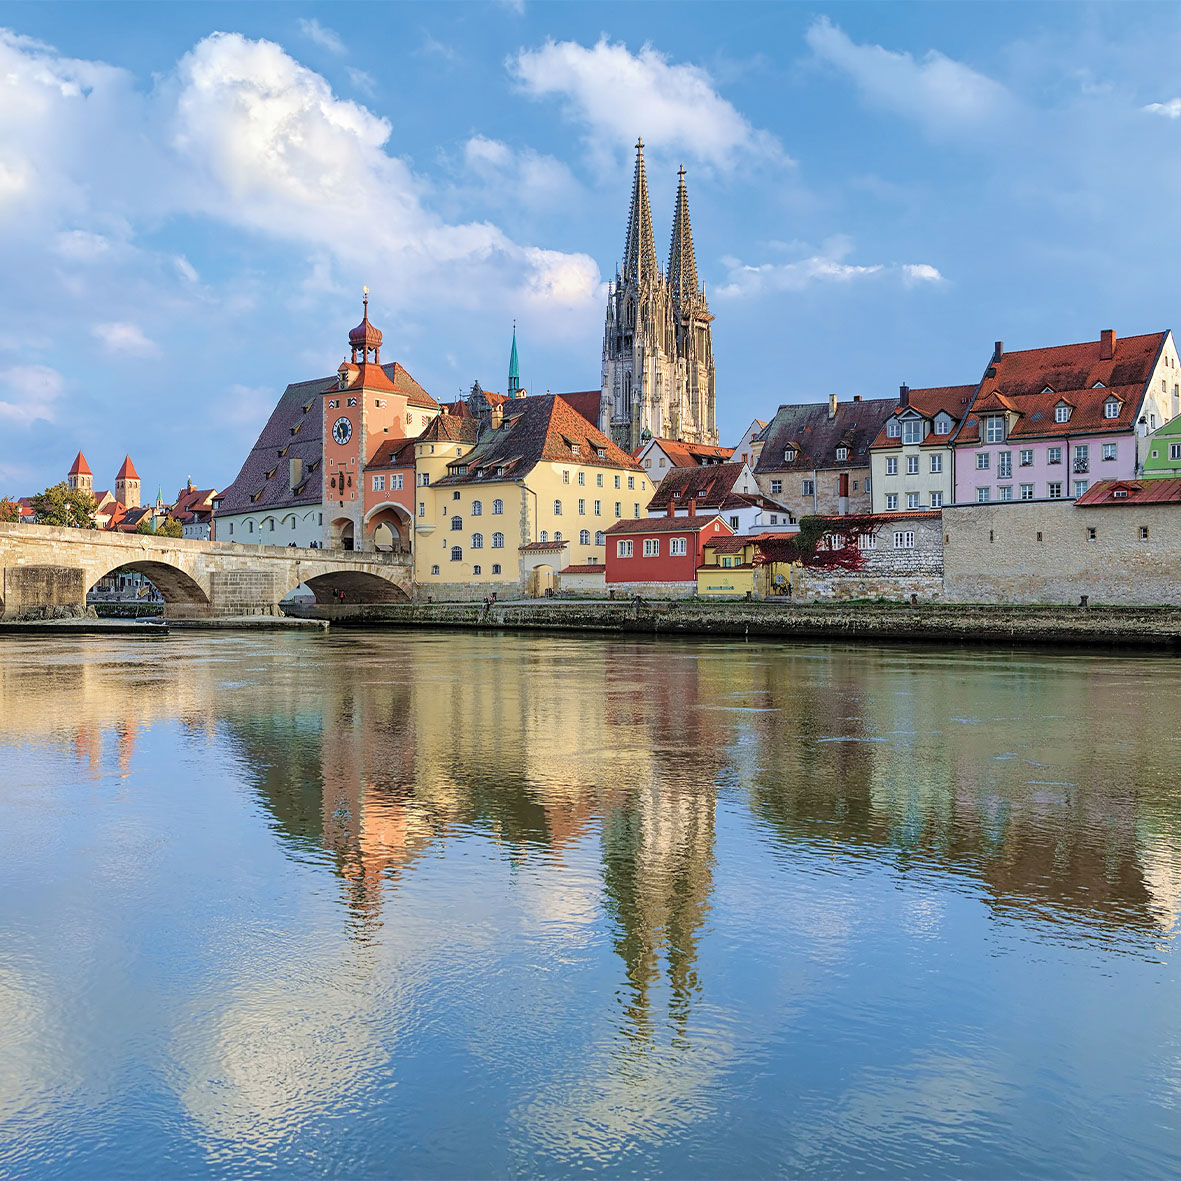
(1082, 465)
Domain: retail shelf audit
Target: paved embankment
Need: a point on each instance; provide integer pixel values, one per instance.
(1141, 627)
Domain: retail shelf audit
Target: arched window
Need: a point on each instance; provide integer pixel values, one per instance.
(456, 554)
(545, 535)
(584, 537)
(557, 535)
(477, 541)
(456, 524)
(557, 508)
(498, 541)
(599, 539)
(497, 507)
(477, 508)
(270, 523)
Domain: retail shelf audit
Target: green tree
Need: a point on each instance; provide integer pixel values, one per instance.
(171, 528)
(64, 507)
(10, 511)
(146, 525)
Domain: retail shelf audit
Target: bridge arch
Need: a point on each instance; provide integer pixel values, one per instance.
(388, 526)
(176, 587)
(350, 587)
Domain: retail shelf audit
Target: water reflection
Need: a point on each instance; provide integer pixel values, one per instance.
(616, 893)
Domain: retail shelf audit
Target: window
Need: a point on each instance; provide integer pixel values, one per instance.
(867, 541)
(557, 535)
(1082, 458)
(912, 431)
(1054, 490)
(477, 508)
(1174, 451)
(599, 479)
(584, 537)
(912, 465)
(396, 480)
(231, 527)
(983, 495)
(842, 454)
(1109, 451)
(456, 524)
(495, 567)
(789, 455)
(1005, 491)
(379, 483)
(476, 569)
(892, 466)
(582, 477)
(477, 541)
(599, 538)
(994, 429)
(250, 526)
(983, 460)
(1004, 465)
(498, 541)
(352, 401)
(424, 479)
(456, 554)
(776, 487)
(434, 569)
(616, 481)
(652, 547)
(942, 424)
(1053, 455)
(904, 539)
(623, 549)
(1026, 491)
(936, 499)
(598, 508)
(1080, 486)
(1091, 534)
(808, 488)
(422, 508)
(497, 507)
(557, 508)
(1143, 532)
(617, 511)
(1025, 458)
(677, 546)
(545, 535)
(893, 429)
(1061, 413)
(912, 500)
(565, 477)
(601, 452)
(456, 494)
(891, 501)
(734, 522)
(866, 484)
(1111, 408)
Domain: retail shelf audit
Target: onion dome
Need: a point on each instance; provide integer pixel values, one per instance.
(365, 337)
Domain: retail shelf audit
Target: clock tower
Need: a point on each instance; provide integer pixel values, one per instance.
(361, 410)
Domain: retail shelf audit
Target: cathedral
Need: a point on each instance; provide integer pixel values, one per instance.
(658, 358)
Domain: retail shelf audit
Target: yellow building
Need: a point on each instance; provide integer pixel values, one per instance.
(731, 570)
(505, 506)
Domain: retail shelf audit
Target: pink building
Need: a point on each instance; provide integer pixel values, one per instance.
(1048, 423)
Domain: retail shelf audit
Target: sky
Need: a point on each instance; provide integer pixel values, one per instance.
(193, 195)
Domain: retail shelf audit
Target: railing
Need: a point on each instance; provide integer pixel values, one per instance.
(1082, 465)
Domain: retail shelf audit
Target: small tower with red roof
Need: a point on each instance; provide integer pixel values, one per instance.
(127, 484)
(80, 478)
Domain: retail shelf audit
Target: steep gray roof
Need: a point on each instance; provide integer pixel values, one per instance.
(816, 437)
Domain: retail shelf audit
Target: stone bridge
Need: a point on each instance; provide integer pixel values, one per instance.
(45, 570)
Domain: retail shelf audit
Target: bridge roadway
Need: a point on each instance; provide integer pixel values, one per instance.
(45, 570)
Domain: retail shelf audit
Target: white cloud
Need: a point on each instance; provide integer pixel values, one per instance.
(939, 93)
(522, 175)
(185, 269)
(1170, 110)
(122, 337)
(365, 83)
(82, 246)
(30, 392)
(825, 266)
(618, 95)
(324, 37)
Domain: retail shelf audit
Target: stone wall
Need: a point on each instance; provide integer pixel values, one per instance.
(243, 592)
(44, 592)
(1045, 552)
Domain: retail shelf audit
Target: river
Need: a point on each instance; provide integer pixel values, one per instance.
(456, 904)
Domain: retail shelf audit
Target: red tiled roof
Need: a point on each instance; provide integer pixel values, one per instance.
(683, 454)
(952, 399)
(81, 467)
(709, 485)
(1163, 491)
(592, 568)
(1036, 414)
(450, 428)
(394, 453)
(587, 402)
(127, 471)
(667, 525)
(545, 545)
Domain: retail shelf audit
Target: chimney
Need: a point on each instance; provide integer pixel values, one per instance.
(672, 507)
(856, 397)
(998, 351)
(296, 476)
(189, 484)
(1107, 344)
(832, 405)
(904, 395)
(692, 506)
(843, 498)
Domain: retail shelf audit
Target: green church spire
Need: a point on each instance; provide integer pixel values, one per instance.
(514, 370)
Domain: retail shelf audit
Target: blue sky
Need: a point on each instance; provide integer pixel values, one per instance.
(191, 197)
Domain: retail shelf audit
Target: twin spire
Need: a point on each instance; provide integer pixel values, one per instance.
(639, 254)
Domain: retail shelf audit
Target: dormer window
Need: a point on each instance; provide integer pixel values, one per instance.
(1048, 389)
(789, 455)
(912, 431)
(842, 453)
(1098, 386)
(893, 429)
(500, 471)
(1061, 412)
(1111, 408)
(574, 449)
(1120, 493)
(942, 425)
(994, 429)
(602, 452)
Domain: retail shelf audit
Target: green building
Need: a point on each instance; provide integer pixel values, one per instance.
(1164, 451)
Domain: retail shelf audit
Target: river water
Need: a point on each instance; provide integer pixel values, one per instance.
(453, 905)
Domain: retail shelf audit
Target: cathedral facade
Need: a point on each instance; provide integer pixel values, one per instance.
(658, 360)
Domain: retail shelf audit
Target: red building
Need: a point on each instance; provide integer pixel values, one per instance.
(661, 549)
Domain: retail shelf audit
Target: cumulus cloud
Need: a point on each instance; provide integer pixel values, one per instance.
(942, 95)
(29, 392)
(124, 338)
(617, 95)
(523, 175)
(324, 37)
(825, 266)
(1170, 110)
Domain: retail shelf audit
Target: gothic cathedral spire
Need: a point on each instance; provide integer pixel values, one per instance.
(639, 251)
(514, 369)
(682, 266)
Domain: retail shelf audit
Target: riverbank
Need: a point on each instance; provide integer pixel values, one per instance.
(156, 626)
(1156, 628)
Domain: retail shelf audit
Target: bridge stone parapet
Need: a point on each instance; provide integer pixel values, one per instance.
(44, 568)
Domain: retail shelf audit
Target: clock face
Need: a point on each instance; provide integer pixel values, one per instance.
(342, 430)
